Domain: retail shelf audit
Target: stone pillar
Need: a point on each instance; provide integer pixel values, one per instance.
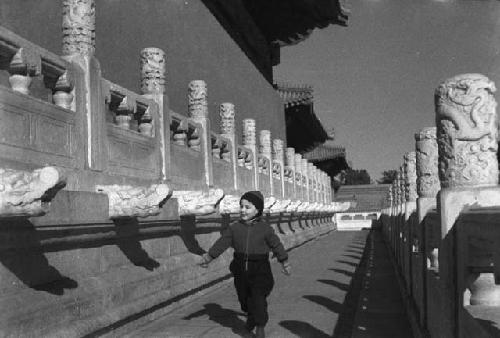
(467, 136)
(427, 188)
(278, 156)
(152, 62)
(78, 27)
(78, 47)
(290, 170)
(198, 112)
(305, 177)
(249, 140)
(331, 193)
(311, 182)
(265, 151)
(410, 239)
(467, 132)
(299, 181)
(227, 129)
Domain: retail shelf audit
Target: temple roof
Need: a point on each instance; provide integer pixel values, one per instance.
(262, 27)
(325, 152)
(368, 197)
(287, 22)
(304, 130)
(293, 95)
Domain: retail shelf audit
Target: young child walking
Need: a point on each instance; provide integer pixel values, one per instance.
(252, 239)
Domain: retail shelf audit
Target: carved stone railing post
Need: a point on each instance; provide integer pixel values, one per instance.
(321, 180)
(305, 179)
(299, 182)
(467, 132)
(227, 112)
(249, 141)
(78, 48)
(411, 242)
(78, 27)
(278, 157)
(265, 151)
(290, 170)
(467, 136)
(152, 61)
(410, 171)
(198, 112)
(330, 191)
(311, 181)
(427, 187)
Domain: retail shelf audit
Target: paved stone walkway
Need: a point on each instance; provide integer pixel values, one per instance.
(318, 300)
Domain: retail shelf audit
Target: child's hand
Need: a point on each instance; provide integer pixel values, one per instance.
(286, 268)
(205, 260)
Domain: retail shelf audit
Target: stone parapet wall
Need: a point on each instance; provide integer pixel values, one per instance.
(81, 272)
(446, 243)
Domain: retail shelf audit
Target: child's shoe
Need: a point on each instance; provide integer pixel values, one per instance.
(260, 332)
(250, 325)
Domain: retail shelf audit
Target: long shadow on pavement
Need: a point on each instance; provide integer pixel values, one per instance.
(342, 271)
(326, 302)
(346, 310)
(338, 285)
(224, 317)
(302, 329)
(345, 323)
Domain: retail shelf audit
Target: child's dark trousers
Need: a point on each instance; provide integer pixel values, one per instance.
(253, 281)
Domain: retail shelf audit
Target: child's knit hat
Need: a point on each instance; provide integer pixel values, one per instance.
(255, 197)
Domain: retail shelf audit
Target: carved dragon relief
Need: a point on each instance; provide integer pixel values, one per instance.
(133, 201)
(27, 194)
(467, 131)
(230, 204)
(198, 202)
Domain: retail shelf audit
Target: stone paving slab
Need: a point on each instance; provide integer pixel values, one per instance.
(317, 301)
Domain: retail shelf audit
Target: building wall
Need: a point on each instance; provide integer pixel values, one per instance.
(355, 220)
(196, 45)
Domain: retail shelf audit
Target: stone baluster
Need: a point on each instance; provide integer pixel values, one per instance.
(427, 187)
(249, 141)
(278, 157)
(153, 65)
(227, 113)
(198, 112)
(25, 65)
(124, 112)
(78, 48)
(62, 95)
(467, 137)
